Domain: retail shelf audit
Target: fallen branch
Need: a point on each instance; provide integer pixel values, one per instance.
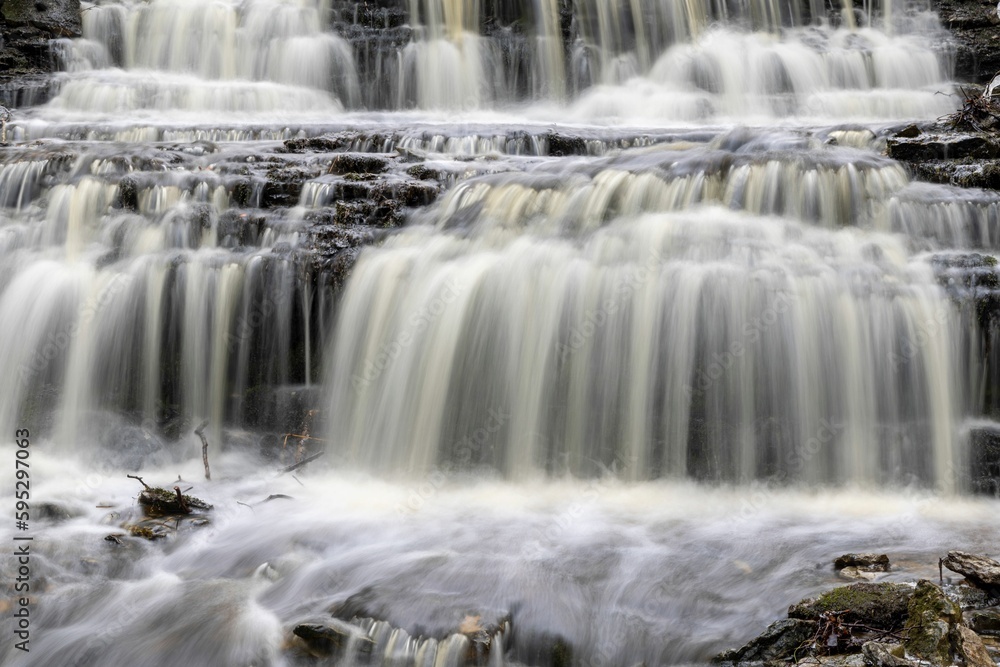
(140, 480)
(204, 448)
(296, 466)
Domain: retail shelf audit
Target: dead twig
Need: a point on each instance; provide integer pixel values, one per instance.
(204, 448)
(136, 477)
(181, 502)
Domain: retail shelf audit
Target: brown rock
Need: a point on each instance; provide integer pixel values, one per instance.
(971, 649)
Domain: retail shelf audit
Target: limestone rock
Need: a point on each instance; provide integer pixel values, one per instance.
(877, 654)
(863, 562)
(971, 650)
(979, 570)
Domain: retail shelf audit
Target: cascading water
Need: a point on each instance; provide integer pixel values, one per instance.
(662, 330)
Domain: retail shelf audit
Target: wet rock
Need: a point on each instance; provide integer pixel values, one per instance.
(908, 132)
(330, 635)
(357, 163)
(848, 660)
(970, 649)
(28, 29)
(128, 194)
(969, 597)
(930, 624)
(778, 642)
(968, 173)
(283, 185)
(863, 562)
(855, 574)
(561, 145)
(972, 25)
(312, 144)
(158, 502)
(980, 571)
(985, 622)
(424, 173)
(882, 606)
(943, 147)
(53, 512)
(877, 654)
(984, 445)
(543, 648)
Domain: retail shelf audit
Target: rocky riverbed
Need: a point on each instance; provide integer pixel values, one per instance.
(889, 624)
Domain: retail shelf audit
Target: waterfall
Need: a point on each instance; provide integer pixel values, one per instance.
(678, 60)
(531, 333)
(719, 345)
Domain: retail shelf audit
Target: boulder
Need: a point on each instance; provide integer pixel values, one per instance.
(979, 570)
(970, 649)
(882, 606)
(781, 640)
(930, 624)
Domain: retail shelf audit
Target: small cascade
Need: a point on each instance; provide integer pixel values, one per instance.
(656, 345)
(144, 297)
(683, 61)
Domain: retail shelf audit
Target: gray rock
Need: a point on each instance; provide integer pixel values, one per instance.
(863, 562)
(970, 649)
(877, 654)
(985, 622)
(779, 641)
(329, 635)
(979, 570)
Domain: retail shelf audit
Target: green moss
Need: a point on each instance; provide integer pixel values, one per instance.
(881, 605)
(159, 502)
(931, 620)
(143, 532)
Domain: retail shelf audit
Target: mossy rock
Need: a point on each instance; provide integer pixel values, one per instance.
(882, 606)
(160, 502)
(930, 625)
(145, 532)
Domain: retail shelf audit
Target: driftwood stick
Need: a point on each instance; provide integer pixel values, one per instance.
(296, 466)
(136, 477)
(204, 448)
(180, 501)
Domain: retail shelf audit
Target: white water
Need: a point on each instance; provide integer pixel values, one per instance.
(663, 572)
(530, 396)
